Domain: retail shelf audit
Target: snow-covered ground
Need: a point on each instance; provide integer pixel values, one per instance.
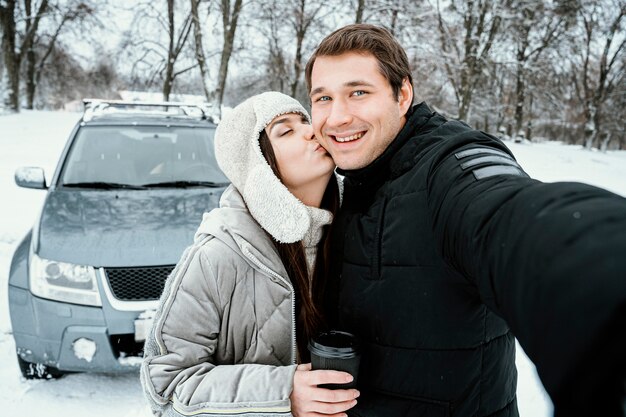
(37, 138)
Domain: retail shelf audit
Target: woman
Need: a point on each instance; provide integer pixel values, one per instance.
(237, 312)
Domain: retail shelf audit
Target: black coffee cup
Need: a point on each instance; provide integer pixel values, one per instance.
(338, 351)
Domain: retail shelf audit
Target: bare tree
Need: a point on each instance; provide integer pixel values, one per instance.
(537, 25)
(199, 48)
(156, 44)
(42, 45)
(272, 27)
(292, 28)
(229, 25)
(176, 43)
(14, 52)
(302, 20)
(479, 25)
(598, 75)
(2, 71)
(391, 14)
(572, 74)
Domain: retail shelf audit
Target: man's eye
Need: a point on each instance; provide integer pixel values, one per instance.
(359, 93)
(323, 98)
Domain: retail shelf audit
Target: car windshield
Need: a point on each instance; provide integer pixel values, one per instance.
(137, 157)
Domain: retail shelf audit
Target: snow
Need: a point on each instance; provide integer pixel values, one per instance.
(84, 348)
(36, 138)
(553, 161)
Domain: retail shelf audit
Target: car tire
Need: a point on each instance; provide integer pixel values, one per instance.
(31, 370)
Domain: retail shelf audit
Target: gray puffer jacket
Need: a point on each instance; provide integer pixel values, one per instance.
(235, 351)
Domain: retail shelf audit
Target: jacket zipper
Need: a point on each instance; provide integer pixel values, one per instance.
(268, 271)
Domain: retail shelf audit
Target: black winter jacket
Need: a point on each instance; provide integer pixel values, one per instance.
(443, 244)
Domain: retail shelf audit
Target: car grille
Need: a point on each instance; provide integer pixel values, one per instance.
(138, 284)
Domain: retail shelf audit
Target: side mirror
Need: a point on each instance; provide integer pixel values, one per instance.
(30, 177)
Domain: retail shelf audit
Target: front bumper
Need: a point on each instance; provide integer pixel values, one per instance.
(77, 338)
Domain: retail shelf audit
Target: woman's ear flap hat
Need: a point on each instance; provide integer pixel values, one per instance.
(239, 155)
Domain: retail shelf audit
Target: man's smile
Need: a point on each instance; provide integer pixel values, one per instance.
(342, 138)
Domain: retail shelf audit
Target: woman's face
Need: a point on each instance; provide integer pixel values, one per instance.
(305, 167)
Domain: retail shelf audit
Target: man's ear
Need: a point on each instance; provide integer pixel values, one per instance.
(405, 97)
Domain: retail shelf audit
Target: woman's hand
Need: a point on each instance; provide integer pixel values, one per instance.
(307, 400)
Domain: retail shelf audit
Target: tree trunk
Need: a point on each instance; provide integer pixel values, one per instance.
(466, 101)
(478, 40)
(394, 22)
(359, 11)
(31, 63)
(529, 124)
(522, 58)
(197, 32)
(42, 62)
(28, 48)
(300, 32)
(605, 142)
(520, 96)
(593, 105)
(1, 65)
(230, 26)
(590, 128)
(593, 123)
(169, 65)
(597, 124)
(11, 58)
(297, 67)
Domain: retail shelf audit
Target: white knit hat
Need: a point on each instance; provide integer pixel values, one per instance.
(238, 154)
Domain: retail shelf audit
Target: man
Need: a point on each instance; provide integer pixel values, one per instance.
(445, 250)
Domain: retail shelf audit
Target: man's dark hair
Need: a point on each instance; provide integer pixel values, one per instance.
(367, 39)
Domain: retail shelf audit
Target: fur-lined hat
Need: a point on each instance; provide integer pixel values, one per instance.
(238, 154)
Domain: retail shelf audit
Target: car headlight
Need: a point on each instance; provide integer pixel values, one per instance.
(63, 281)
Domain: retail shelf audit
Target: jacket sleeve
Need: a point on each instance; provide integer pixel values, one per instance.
(548, 258)
(179, 374)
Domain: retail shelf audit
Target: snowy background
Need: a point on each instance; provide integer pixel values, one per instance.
(36, 138)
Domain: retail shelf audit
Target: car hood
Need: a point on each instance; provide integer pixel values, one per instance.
(122, 227)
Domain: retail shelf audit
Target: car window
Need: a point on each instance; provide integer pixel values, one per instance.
(140, 155)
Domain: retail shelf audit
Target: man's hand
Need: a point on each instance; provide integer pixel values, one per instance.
(307, 400)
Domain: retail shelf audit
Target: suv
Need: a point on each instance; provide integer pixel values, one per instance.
(127, 195)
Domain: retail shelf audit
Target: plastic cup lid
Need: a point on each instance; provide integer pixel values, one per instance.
(335, 344)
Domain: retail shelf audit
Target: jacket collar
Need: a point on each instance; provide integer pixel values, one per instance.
(233, 224)
(379, 170)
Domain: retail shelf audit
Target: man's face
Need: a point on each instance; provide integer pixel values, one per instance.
(355, 113)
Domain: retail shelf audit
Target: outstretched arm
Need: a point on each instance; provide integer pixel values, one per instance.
(548, 258)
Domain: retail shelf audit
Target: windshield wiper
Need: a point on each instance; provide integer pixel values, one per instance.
(182, 184)
(101, 185)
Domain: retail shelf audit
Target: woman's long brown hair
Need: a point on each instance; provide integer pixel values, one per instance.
(309, 293)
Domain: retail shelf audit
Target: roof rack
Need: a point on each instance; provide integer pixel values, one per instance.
(95, 107)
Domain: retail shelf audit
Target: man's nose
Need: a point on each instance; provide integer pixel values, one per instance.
(339, 114)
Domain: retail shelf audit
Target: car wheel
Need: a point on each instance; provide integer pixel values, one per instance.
(31, 370)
